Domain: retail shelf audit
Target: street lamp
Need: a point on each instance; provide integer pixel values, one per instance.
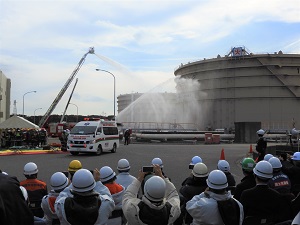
(114, 89)
(34, 114)
(24, 97)
(76, 109)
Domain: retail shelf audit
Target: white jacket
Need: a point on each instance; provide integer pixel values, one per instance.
(107, 204)
(125, 179)
(204, 210)
(118, 206)
(130, 202)
(48, 207)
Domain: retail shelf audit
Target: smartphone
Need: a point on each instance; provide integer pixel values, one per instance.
(191, 167)
(147, 169)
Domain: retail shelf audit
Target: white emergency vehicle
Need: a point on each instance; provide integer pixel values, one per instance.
(93, 136)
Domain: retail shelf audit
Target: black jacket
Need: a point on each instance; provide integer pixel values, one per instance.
(13, 208)
(246, 183)
(266, 202)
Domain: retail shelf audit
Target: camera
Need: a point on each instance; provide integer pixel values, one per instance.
(191, 166)
(147, 169)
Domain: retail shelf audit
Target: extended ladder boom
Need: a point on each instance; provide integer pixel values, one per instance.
(64, 88)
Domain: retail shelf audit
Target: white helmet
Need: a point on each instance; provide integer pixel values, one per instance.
(268, 156)
(157, 161)
(275, 162)
(200, 170)
(58, 181)
(106, 173)
(260, 132)
(263, 169)
(123, 164)
(30, 169)
(224, 166)
(83, 181)
(155, 188)
(217, 180)
(295, 132)
(196, 159)
(296, 156)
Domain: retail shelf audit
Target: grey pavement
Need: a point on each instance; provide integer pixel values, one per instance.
(176, 158)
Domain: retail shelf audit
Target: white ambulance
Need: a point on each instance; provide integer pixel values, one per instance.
(93, 136)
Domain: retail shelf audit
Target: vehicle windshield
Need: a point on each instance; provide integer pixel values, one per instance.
(83, 130)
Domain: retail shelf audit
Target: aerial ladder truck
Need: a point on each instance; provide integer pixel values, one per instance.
(45, 118)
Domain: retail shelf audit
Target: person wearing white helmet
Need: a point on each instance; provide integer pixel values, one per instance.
(268, 156)
(108, 178)
(261, 145)
(262, 202)
(292, 170)
(14, 209)
(224, 166)
(36, 188)
(280, 181)
(160, 203)
(196, 159)
(193, 185)
(73, 167)
(206, 207)
(158, 161)
(86, 206)
(124, 178)
(58, 182)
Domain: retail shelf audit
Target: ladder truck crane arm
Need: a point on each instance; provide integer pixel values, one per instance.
(64, 88)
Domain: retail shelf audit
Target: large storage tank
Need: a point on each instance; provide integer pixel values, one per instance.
(243, 87)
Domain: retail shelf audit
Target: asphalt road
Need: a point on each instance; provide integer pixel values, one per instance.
(176, 158)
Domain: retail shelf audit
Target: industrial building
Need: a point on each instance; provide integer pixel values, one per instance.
(218, 93)
(5, 88)
(247, 87)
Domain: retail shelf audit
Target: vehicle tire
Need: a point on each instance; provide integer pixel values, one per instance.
(99, 150)
(74, 153)
(114, 149)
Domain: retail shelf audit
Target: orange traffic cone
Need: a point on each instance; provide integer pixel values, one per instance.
(250, 151)
(222, 157)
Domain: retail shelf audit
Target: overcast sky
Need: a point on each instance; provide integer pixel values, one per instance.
(140, 41)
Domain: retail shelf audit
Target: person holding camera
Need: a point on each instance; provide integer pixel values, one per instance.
(160, 204)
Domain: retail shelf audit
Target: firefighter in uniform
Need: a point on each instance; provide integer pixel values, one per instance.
(261, 145)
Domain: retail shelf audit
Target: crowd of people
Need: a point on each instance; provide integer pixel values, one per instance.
(23, 137)
(269, 192)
